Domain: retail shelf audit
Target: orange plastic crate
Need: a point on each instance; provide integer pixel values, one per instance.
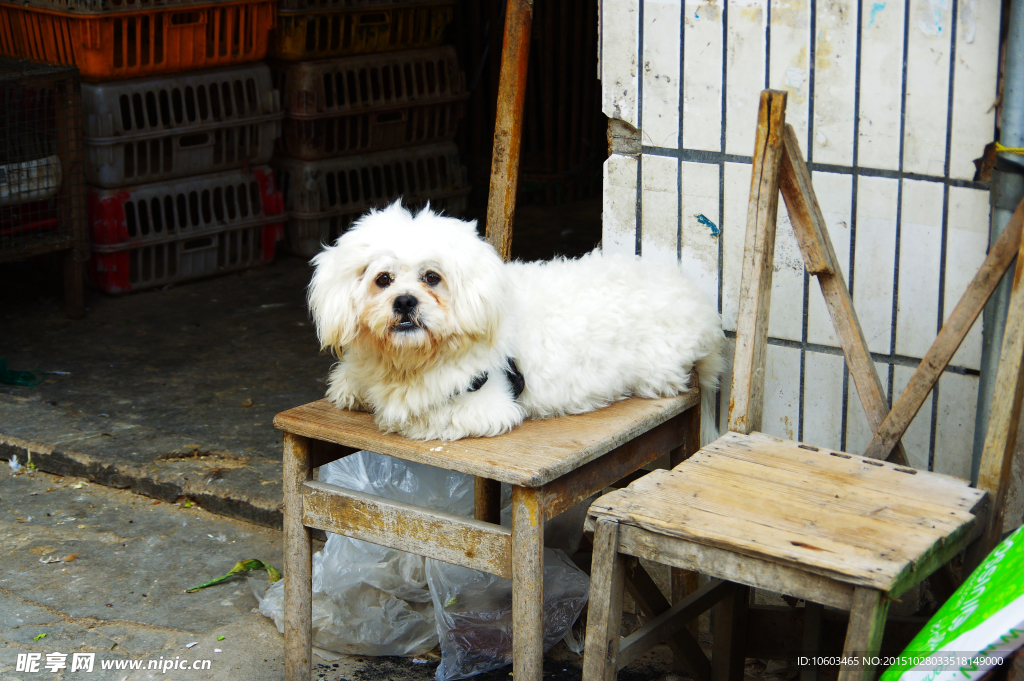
(130, 44)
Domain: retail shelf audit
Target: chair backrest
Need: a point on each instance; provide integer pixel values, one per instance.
(778, 166)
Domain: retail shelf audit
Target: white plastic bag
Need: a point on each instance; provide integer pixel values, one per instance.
(372, 600)
(474, 613)
(368, 599)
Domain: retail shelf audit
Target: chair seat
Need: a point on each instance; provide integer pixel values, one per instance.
(531, 455)
(857, 521)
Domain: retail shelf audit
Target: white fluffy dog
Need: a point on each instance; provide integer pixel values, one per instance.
(440, 339)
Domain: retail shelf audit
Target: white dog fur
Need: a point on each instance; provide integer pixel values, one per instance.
(583, 333)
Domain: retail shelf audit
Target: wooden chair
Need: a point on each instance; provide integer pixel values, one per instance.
(752, 510)
(552, 465)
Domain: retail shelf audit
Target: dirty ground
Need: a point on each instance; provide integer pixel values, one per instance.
(90, 569)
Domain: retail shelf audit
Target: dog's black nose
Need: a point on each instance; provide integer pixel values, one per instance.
(404, 305)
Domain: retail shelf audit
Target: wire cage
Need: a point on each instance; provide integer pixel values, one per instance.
(42, 185)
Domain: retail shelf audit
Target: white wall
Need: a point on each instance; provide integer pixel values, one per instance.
(892, 100)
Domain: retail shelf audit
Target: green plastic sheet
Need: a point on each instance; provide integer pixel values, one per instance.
(978, 628)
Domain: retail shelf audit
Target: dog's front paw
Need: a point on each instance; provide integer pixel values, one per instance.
(341, 392)
(488, 412)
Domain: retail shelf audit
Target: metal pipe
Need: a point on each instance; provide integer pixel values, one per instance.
(1007, 189)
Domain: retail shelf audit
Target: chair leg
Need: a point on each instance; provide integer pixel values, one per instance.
(727, 653)
(864, 634)
(298, 585)
(604, 615)
(813, 613)
(527, 584)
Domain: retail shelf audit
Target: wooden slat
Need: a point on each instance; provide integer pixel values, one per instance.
(1001, 436)
(397, 525)
(736, 567)
(952, 334)
(508, 125)
(671, 622)
(814, 237)
(711, 520)
(922, 489)
(746, 400)
(534, 453)
(604, 617)
(804, 211)
(883, 477)
(859, 509)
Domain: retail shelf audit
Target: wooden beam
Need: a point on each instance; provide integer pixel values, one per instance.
(811, 232)
(952, 334)
(1001, 436)
(508, 125)
(746, 402)
(397, 525)
(648, 597)
(671, 622)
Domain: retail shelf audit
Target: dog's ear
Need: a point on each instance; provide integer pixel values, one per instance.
(480, 288)
(332, 297)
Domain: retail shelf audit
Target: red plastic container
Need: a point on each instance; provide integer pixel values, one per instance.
(170, 232)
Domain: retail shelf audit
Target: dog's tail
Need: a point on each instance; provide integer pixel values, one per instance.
(709, 369)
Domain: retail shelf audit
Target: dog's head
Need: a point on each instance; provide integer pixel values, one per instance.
(407, 285)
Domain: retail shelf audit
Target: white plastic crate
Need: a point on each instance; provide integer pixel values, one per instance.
(322, 198)
(29, 180)
(157, 128)
(168, 232)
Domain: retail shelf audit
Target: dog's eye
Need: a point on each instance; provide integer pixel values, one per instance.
(432, 278)
(383, 280)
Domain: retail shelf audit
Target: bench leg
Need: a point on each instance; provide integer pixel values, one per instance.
(604, 614)
(527, 584)
(864, 634)
(727, 653)
(298, 585)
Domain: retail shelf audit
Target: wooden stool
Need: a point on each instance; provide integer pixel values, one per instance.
(552, 465)
(759, 511)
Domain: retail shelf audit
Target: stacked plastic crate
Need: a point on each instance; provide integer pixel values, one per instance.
(371, 100)
(42, 191)
(178, 124)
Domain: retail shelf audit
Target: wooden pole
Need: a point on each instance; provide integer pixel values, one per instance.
(501, 203)
(508, 125)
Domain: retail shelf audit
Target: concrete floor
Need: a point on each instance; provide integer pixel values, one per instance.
(90, 569)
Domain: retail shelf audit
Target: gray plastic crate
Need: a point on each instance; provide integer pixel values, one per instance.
(158, 128)
(375, 102)
(322, 198)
